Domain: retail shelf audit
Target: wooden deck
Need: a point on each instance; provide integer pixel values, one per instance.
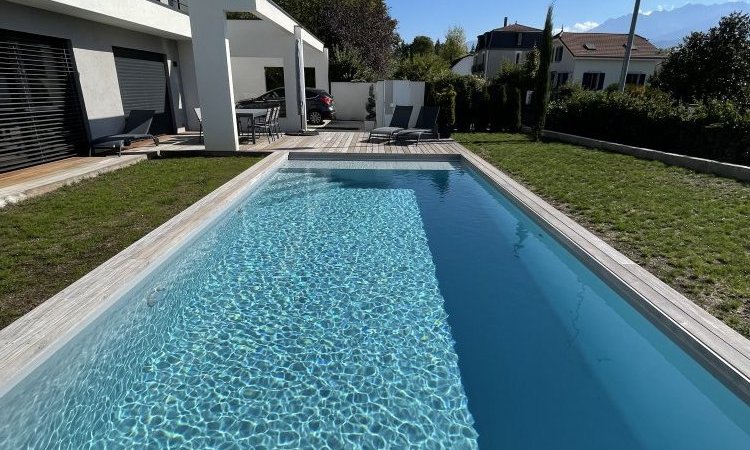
(326, 141)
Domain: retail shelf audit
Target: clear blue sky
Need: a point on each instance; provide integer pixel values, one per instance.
(434, 17)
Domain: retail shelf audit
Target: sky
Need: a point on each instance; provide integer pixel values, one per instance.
(434, 17)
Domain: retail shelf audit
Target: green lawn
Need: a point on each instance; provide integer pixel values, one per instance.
(51, 241)
(691, 230)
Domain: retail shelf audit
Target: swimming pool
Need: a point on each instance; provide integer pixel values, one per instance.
(366, 305)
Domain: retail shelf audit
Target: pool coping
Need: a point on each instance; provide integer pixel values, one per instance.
(719, 348)
(30, 340)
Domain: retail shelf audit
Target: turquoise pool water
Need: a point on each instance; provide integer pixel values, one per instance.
(340, 307)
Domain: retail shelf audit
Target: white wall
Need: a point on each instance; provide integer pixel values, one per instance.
(249, 75)
(92, 49)
(392, 93)
(611, 67)
(351, 100)
(256, 44)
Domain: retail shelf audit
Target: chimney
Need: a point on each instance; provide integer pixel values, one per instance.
(505, 23)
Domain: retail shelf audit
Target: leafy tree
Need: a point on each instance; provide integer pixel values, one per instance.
(542, 91)
(425, 67)
(711, 65)
(438, 47)
(422, 45)
(347, 64)
(455, 45)
(363, 26)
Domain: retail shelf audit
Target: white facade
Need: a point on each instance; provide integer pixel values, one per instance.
(571, 69)
(92, 43)
(231, 56)
(392, 93)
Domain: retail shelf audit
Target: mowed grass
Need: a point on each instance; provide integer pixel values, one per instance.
(50, 241)
(691, 230)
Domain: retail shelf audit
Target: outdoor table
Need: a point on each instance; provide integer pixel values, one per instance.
(251, 114)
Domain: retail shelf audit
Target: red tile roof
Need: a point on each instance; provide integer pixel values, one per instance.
(607, 45)
(516, 28)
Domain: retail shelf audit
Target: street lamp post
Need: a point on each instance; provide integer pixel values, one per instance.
(629, 47)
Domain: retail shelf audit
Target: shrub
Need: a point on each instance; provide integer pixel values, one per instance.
(445, 98)
(651, 119)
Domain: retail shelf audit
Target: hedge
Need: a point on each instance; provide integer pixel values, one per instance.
(651, 119)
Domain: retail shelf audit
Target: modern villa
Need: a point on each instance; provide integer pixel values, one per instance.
(85, 65)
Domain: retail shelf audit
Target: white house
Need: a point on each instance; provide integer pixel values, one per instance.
(594, 60)
(73, 69)
(511, 43)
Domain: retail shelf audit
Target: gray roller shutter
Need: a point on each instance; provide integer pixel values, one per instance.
(143, 85)
(40, 111)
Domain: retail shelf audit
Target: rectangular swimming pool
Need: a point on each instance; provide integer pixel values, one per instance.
(373, 305)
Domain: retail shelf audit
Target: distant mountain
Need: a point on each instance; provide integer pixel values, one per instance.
(667, 28)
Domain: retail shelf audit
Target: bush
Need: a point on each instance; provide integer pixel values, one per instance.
(444, 97)
(651, 119)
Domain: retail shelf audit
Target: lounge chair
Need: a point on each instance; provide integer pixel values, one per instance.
(426, 124)
(399, 122)
(136, 128)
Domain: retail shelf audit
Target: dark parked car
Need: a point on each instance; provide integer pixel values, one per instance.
(320, 104)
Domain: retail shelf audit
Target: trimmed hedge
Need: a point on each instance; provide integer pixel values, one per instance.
(651, 119)
(478, 105)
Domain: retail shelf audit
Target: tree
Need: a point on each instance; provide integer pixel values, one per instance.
(364, 26)
(541, 94)
(347, 64)
(714, 65)
(455, 45)
(371, 104)
(426, 67)
(422, 45)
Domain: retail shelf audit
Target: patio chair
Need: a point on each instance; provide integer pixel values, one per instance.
(136, 128)
(276, 126)
(264, 124)
(200, 122)
(426, 124)
(399, 122)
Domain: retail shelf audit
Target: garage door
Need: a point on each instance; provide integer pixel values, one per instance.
(40, 111)
(143, 85)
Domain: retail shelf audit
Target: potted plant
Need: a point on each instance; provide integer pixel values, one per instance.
(370, 107)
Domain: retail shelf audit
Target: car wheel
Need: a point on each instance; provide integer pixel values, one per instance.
(315, 117)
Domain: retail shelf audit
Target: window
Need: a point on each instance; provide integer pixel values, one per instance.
(637, 79)
(310, 77)
(558, 54)
(559, 79)
(519, 39)
(274, 78)
(593, 81)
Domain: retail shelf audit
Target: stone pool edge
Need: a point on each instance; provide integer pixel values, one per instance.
(29, 341)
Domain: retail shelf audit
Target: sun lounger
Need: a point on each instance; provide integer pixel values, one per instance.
(136, 129)
(399, 122)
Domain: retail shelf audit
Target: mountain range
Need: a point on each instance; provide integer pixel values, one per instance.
(667, 28)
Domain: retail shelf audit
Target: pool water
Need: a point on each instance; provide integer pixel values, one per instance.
(354, 306)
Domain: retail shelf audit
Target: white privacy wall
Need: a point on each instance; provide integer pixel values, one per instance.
(392, 93)
(351, 100)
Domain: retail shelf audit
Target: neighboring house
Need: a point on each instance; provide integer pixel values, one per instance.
(594, 60)
(73, 69)
(463, 66)
(511, 43)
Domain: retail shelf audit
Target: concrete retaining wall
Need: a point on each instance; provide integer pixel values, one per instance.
(737, 172)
